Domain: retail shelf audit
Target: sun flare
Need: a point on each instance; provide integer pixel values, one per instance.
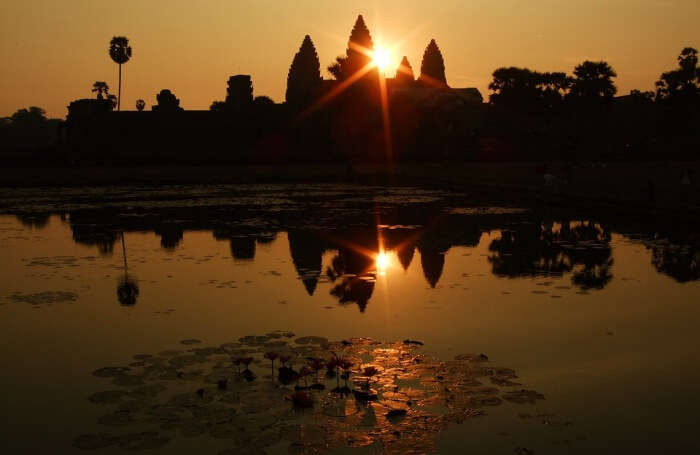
(381, 58)
(382, 262)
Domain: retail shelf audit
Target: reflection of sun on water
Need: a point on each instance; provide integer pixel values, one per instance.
(382, 261)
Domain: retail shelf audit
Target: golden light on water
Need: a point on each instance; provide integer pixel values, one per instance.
(382, 262)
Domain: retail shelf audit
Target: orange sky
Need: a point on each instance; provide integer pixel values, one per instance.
(52, 51)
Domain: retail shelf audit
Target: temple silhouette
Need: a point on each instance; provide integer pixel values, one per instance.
(320, 120)
(360, 115)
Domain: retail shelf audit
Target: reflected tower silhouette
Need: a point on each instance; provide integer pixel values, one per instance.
(306, 251)
(402, 241)
(540, 249)
(170, 235)
(86, 232)
(353, 270)
(35, 221)
(432, 261)
(243, 248)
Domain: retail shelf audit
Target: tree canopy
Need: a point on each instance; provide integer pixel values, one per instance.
(101, 89)
(432, 68)
(32, 116)
(119, 49)
(167, 102)
(593, 81)
(681, 83)
(521, 88)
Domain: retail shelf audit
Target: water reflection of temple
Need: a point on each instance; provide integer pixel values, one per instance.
(552, 249)
(527, 246)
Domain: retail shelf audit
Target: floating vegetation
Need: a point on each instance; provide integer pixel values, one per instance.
(44, 298)
(310, 394)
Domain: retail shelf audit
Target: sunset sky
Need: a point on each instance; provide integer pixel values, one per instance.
(52, 51)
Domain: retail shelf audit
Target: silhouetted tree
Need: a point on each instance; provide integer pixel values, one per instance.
(593, 82)
(404, 73)
(591, 94)
(554, 87)
(26, 128)
(140, 105)
(526, 90)
(33, 116)
(101, 88)
(336, 68)
(678, 96)
(263, 101)
(218, 106)
(642, 97)
(120, 52)
(432, 68)
(514, 87)
(113, 100)
(304, 78)
(684, 82)
(167, 102)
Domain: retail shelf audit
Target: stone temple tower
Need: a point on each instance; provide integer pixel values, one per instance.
(239, 93)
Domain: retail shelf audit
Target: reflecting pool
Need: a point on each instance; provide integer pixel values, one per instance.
(492, 328)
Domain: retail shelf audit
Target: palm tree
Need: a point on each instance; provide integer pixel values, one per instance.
(140, 105)
(101, 88)
(120, 51)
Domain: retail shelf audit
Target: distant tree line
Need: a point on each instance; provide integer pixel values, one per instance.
(27, 129)
(557, 116)
(360, 116)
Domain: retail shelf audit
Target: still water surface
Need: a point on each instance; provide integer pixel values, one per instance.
(601, 318)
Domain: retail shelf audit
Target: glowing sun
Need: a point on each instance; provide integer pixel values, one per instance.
(382, 262)
(381, 58)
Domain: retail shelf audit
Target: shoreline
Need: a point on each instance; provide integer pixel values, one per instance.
(619, 187)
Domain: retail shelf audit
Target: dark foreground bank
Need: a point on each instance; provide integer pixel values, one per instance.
(656, 187)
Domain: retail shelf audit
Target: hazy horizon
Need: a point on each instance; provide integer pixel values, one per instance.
(55, 51)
